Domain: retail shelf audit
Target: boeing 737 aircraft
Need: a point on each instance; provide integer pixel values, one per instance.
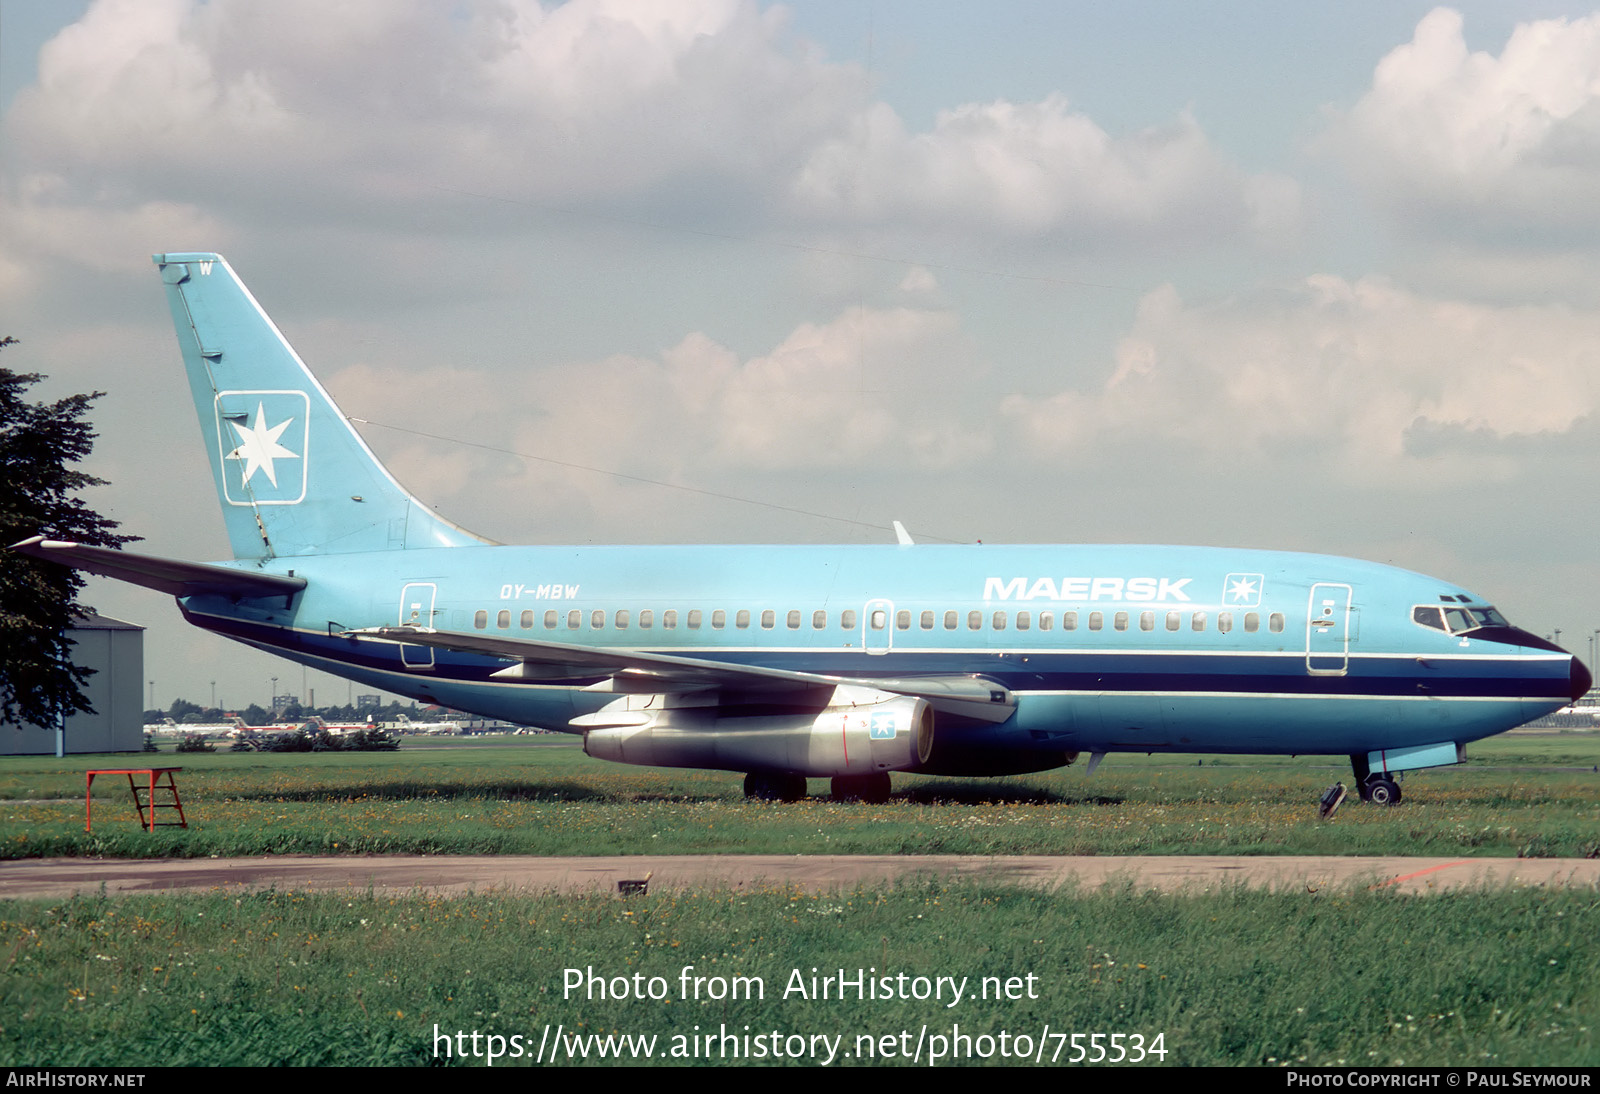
(823, 662)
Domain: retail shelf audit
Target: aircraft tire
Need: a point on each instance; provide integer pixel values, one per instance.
(1383, 792)
(873, 789)
(772, 786)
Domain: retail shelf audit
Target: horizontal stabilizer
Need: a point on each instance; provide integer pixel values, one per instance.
(165, 575)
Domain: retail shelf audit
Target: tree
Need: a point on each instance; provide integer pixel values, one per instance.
(40, 445)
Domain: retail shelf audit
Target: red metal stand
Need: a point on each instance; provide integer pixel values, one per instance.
(158, 781)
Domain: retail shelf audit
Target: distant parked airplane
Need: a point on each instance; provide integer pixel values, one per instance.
(825, 662)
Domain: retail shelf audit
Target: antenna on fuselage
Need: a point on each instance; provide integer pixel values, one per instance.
(903, 536)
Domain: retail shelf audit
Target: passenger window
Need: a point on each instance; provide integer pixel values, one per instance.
(1197, 621)
(951, 621)
(719, 619)
(1069, 621)
(1224, 622)
(1046, 620)
(847, 619)
(742, 619)
(527, 620)
(694, 619)
(1275, 622)
(1120, 621)
(1174, 620)
(768, 618)
(999, 621)
(552, 619)
(927, 621)
(622, 619)
(1252, 622)
(879, 618)
(1147, 621)
(974, 620)
(794, 619)
(1096, 621)
(819, 620)
(574, 619)
(597, 620)
(669, 620)
(647, 618)
(1022, 621)
(480, 620)
(503, 620)
(902, 620)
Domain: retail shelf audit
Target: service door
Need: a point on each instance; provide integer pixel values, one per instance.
(1328, 630)
(416, 610)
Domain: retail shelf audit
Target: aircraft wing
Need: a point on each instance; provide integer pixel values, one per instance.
(167, 575)
(638, 671)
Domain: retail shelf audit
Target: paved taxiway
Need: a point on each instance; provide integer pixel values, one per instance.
(55, 878)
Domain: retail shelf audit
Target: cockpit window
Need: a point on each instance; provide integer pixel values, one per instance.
(1428, 616)
(1456, 620)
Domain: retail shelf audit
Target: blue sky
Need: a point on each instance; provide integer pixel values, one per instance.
(1310, 276)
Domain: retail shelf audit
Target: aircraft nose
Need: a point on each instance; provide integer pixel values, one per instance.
(1581, 680)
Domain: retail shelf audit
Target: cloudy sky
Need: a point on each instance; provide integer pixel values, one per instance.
(1319, 276)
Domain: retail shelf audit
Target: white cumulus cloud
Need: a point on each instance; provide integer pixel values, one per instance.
(880, 388)
(400, 113)
(1484, 141)
(1362, 373)
(1039, 168)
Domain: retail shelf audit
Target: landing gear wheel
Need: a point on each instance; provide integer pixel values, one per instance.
(772, 786)
(872, 789)
(1383, 792)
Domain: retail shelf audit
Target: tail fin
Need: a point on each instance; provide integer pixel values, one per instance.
(293, 476)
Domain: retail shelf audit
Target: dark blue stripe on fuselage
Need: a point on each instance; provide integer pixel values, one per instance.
(1086, 671)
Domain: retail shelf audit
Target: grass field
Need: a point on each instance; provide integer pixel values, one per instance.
(1519, 795)
(1330, 978)
(1489, 978)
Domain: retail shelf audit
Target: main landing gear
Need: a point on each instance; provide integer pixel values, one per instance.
(1377, 787)
(777, 786)
(1381, 790)
(872, 789)
(774, 786)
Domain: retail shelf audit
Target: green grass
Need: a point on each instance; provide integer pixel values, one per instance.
(1519, 795)
(1487, 977)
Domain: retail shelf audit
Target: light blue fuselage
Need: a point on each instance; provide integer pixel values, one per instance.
(1157, 674)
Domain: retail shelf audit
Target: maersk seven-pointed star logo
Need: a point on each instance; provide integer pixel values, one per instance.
(259, 447)
(1242, 590)
(261, 438)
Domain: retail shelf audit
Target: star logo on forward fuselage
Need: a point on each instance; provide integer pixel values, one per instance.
(1243, 590)
(258, 446)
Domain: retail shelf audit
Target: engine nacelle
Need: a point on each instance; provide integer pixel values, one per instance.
(861, 731)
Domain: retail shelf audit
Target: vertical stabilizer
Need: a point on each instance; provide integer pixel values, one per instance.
(292, 474)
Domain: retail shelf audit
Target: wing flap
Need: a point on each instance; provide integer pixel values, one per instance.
(641, 672)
